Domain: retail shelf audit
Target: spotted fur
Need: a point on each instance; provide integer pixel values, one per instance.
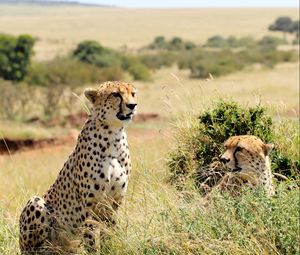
(93, 181)
(248, 158)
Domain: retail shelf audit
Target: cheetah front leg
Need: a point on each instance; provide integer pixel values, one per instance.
(102, 217)
(106, 211)
(35, 226)
(91, 227)
(89, 237)
(39, 230)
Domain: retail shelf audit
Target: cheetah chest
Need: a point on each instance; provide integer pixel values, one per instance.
(117, 178)
(112, 181)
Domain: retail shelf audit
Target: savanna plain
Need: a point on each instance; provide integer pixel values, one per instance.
(157, 217)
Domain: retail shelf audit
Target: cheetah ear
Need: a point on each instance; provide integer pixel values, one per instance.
(268, 148)
(91, 95)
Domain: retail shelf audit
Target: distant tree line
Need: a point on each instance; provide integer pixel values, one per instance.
(91, 62)
(176, 43)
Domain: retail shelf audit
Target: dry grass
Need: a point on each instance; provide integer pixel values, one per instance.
(59, 29)
(173, 92)
(19, 130)
(156, 219)
(32, 172)
(28, 173)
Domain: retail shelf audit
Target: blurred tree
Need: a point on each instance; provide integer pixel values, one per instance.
(216, 41)
(87, 51)
(283, 24)
(189, 45)
(159, 42)
(295, 28)
(176, 43)
(15, 54)
(270, 42)
(94, 53)
(286, 25)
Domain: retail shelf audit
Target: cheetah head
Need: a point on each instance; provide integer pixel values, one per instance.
(246, 154)
(114, 102)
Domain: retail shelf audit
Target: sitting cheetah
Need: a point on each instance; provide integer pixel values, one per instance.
(247, 156)
(93, 181)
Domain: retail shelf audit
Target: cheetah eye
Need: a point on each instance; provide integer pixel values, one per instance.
(238, 148)
(115, 94)
(133, 94)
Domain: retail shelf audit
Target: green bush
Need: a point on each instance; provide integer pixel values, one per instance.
(188, 45)
(87, 51)
(271, 42)
(270, 58)
(247, 42)
(92, 52)
(174, 44)
(158, 60)
(136, 69)
(218, 41)
(15, 55)
(159, 42)
(217, 64)
(202, 143)
(203, 62)
(68, 71)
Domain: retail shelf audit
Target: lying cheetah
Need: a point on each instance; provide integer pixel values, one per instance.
(248, 158)
(93, 181)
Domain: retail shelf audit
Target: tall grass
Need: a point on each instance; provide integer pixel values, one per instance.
(8, 234)
(156, 218)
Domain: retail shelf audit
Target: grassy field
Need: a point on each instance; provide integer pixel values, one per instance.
(21, 172)
(156, 218)
(174, 92)
(59, 29)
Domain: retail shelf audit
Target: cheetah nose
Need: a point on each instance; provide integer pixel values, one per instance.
(131, 106)
(224, 160)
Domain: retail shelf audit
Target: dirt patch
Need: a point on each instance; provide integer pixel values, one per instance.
(71, 121)
(8, 146)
